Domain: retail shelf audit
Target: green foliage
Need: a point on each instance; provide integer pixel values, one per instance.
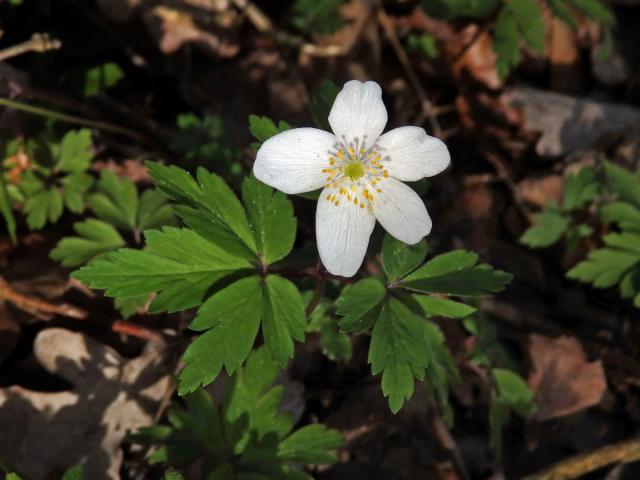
(57, 178)
(117, 205)
(561, 221)
(204, 141)
(74, 473)
(321, 102)
(317, 16)
(5, 209)
(399, 259)
(360, 305)
(263, 128)
(424, 44)
(101, 78)
(451, 9)
(246, 436)
(335, 343)
(511, 394)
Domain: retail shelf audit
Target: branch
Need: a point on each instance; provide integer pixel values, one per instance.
(39, 43)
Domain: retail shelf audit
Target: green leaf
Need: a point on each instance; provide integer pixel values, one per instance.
(398, 351)
(528, 17)
(251, 396)
(456, 273)
(399, 259)
(171, 474)
(360, 305)
(154, 211)
(73, 473)
(511, 394)
(209, 207)
(263, 128)
(95, 238)
(321, 102)
(75, 152)
(317, 16)
(232, 318)
(450, 9)
(443, 307)
(75, 186)
(271, 219)
(310, 444)
(130, 306)
(549, 228)
(626, 215)
(506, 42)
(101, 78)
(425, 44)
(284, 318)
(177, 263)
(335, 344)
(116, 201)
(46, 205)
(623, 183)
(595, 10)
(5, 209)
(604, 267)
(580, 189)
(562, 10)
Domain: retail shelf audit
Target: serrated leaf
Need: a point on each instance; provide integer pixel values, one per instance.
(232, 317)
(580, 189)
(5, 209)
(75, 151)
(399, 259)
(443, 307)
(95, 238)
(623, 183)
(321, 102)
(101, 78)
(46, 205)
(154, 211)
(209, 207)
(562, 10)
(116, 201)
(506, 42)
(177, 263)
(528, 17)
(626, 215)
(263, 128)
(398, 351)
(360, 305)
(548, 229)
(284, 318)
(271, 218)
(604, 267)
(595, 10)
(310, 444)
(456, 273)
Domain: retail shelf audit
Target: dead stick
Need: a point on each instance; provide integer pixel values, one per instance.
(39, 42)
(579, 465)
(425, 103)
(37, 306)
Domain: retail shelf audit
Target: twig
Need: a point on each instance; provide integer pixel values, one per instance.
(39, 42)
(426, 105)
(38, 307)
(579, 465)
(133, 330)
(63, 117)
(449, 444)
(317, 293)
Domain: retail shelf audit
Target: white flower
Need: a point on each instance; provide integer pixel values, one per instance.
(361, 174)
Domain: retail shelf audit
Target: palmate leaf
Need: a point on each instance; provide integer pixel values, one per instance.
(550, 226)
(95, 238)
(310, 444)
(626, 215)
(399, 259)
(43, 206)
(398, 351)
(360, 305)
(178, 264)
(580, 189)
(208, 206)
(232, 317)
(116, 201)
(271, 219)
(263, 128)
(528, 17)
(506, 42)
(624, 184)
(456, 273)
(74, 152)
(442, 307)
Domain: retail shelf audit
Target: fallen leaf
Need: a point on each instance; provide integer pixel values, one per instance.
(479, 60)
(538, 191)
(45, 432)
(563, 378)
(564, 57)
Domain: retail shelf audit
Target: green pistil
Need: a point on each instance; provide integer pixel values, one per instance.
(354, 170)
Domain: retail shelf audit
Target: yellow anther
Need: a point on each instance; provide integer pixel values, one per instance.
(336, 203)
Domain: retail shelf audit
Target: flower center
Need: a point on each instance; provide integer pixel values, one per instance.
(354, 170)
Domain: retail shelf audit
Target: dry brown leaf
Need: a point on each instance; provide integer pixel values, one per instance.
(564, 56)
(174, 28)
(563, 378)
(538, 191)
(45, 432)
(479, 60)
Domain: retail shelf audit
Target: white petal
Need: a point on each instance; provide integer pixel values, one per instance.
(292, 161)
(401, 211)
(358, 113)
(343, 233)
(409, 154)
